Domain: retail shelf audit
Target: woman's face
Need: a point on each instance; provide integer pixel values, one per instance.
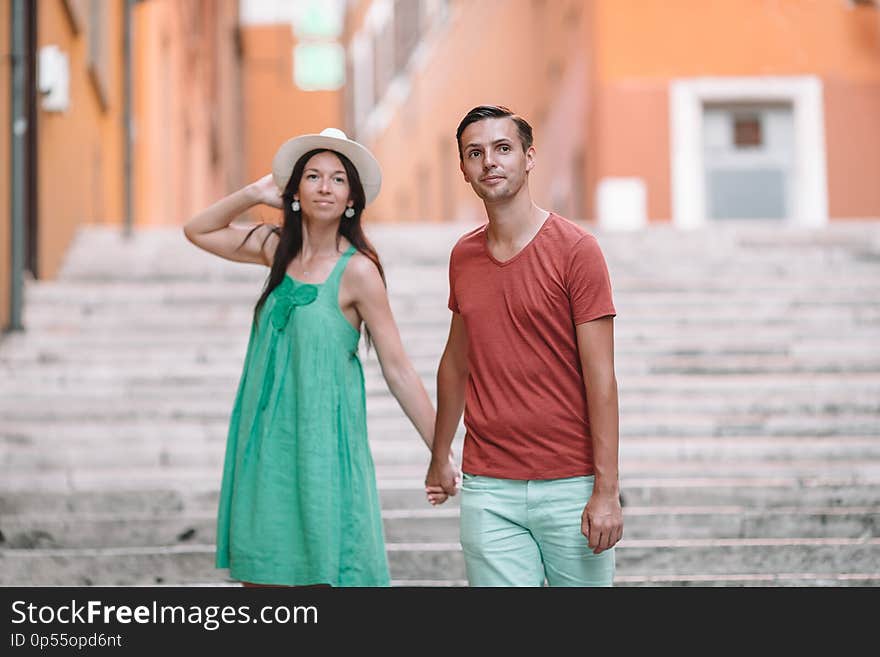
(324, 189)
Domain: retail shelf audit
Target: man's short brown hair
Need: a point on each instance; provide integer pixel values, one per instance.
(482, 112)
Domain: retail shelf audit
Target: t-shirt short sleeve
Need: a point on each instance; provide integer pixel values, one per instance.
(453, 302)
(589, 285)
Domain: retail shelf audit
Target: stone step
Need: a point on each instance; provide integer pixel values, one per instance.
(109, 365)
(155, 476)
(149, 565)
(855, 399)
(748, 453)
(385, 408)
(749, 555)
(77, 399)
(722, 558)
(171, 451)
(800, 580)
(91, 410)
(674, 387)
(140, 314)
(424, 353)
(194, 497)
(656, 375)
(626, 367)
(118, 379)
(439, 525)
(395, 443)
(411, 288)
(20, 347)
(757, 492)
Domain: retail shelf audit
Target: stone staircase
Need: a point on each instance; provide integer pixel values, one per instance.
(748, 360)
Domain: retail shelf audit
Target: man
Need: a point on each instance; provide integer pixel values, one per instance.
(530, 360)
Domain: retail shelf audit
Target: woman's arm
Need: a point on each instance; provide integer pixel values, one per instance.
(371, 302)
(210, 229)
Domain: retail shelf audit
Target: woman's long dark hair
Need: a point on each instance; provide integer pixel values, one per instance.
(291, 233)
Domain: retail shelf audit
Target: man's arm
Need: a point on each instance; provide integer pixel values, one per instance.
(452, 376)
(602, 519)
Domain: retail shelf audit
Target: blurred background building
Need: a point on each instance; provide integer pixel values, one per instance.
(136, 113)
(725, 152)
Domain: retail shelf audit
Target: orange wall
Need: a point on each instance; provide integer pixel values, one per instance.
(634, 62)
(517, 53)
(275, 108)
(5, 215)
(735, 37)
(158, 130)
(188, 149)
(228, 109)
(593, 77)
(80, 150)
(632, 139)
(186, 116)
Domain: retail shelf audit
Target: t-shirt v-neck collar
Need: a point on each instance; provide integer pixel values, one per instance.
(518, 254)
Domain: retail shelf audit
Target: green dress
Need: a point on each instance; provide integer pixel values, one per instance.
(298, 502)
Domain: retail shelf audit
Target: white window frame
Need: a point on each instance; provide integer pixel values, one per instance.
(809, 175)
(362, 72)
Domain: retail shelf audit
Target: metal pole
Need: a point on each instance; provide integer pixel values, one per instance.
(17, 160)
(128, 132)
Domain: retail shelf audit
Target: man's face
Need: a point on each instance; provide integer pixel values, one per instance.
(493, 161)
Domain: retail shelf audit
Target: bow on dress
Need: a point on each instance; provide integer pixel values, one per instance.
(286, 300)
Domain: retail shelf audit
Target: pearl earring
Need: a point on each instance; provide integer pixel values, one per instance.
(295, 205)
(349, 212)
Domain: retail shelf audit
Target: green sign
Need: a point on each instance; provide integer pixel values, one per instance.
(319, 66)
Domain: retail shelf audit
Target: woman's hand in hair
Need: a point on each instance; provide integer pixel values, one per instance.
(266, 192)
(212, 230)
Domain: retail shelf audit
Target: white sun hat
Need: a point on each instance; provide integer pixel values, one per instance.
(333, 139)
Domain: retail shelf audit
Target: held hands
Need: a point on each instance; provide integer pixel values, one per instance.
(442, 481)
(265, 191)
(602, 521)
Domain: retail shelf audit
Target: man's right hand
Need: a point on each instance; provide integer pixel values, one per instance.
(443, 479)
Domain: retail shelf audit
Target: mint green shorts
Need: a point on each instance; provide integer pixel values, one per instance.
(526, 533)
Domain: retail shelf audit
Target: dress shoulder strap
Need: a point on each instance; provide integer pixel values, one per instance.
(336, 274)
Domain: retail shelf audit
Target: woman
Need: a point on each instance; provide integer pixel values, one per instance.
(298, 502)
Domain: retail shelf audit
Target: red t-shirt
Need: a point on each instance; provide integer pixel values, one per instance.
(525, 405)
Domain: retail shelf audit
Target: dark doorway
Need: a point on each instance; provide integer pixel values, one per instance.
(31, 231)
